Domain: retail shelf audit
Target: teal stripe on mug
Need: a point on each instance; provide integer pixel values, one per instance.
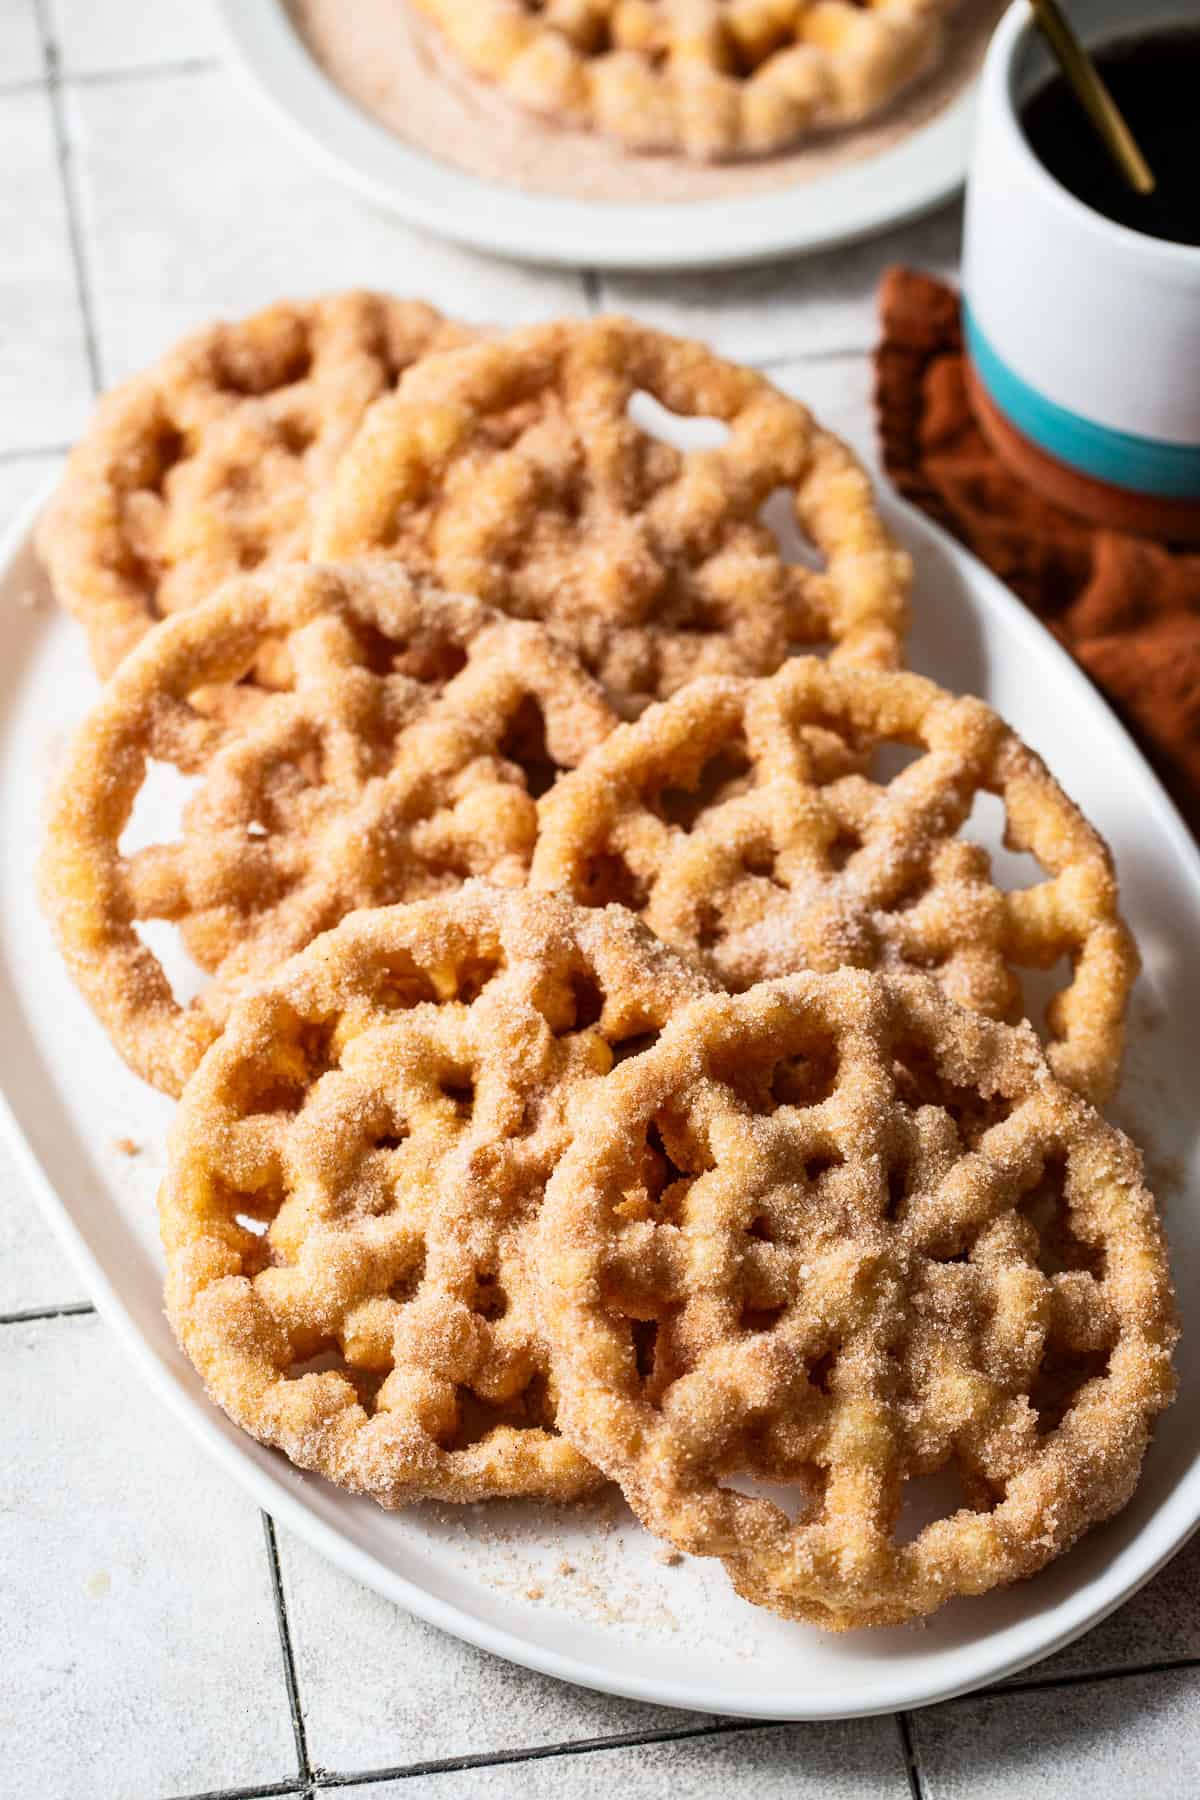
(1142, 465)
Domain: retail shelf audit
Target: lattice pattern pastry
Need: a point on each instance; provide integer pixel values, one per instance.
(207, 465)
(353, 1170)
(406, 757)
(516, 470)
(840, 1229)
(737, 819)
(709, 78)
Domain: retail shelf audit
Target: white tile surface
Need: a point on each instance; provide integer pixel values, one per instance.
(814, 306)
(44, 387)
(861, 1761)
(177, 233)
(1160, 1624)
(102, 35)
(385, 1690)
(837, 389)
(20, 42)
(139, 1655)
(1137, 1736)
(34, 1273)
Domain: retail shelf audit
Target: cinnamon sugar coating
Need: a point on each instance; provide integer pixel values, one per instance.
(405, 757)
(353, 1169)
(514, 470)
(840, 1228)
(207, 465)
(712, 78)
(737, 819)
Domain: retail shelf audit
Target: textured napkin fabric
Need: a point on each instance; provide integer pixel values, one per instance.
(1126, 608)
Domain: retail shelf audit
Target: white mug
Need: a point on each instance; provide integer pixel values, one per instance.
(1082, 336)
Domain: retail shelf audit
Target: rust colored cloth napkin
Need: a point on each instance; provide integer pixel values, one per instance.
(1126, 608)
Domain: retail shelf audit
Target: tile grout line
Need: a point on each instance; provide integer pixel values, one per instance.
(70, 196)
(260, 1792)
(493, 1759)
(33, 84)
(71, 1309)
(1079, 1678)
(793, 359)
(185, 65)
(25, 455)
(22, 84)
(299, 1731)
(326, 1781)
(912, 1767)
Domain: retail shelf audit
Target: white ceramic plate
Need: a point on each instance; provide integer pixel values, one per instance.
(622, 1622)
(853, 202)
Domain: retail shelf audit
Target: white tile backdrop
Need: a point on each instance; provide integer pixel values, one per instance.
(44, 375)
(156, 1638)
(22, 43)
(93, 37)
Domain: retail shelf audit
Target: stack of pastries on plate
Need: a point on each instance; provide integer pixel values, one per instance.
(714, 79)
(607, 1058)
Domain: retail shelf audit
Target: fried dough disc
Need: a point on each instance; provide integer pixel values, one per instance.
(516, 470)
(353, 1169)
(207, 465)
(839, 1227)
(406, 756)
(710, 78)
(737, 819)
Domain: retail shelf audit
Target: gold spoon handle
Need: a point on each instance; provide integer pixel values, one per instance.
(1093, 96)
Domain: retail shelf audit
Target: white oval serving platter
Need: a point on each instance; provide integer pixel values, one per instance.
(856, 201)
(622, 1621)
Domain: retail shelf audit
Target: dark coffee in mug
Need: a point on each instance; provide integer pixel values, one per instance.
(1155, 81)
